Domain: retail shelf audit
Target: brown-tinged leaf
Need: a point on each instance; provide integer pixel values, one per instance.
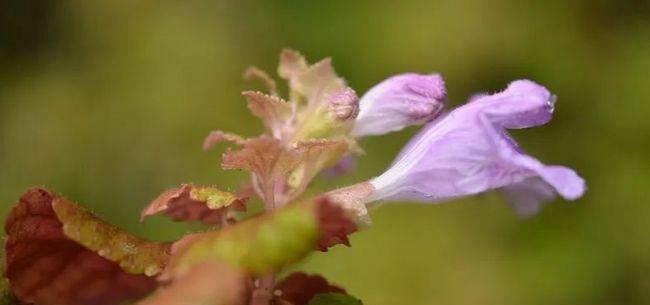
(205, 284)
(297, 164)
(273, 110)
(322, 152)
(264, 156)
(193, 203)
(261, 75)
(335, 224)
(217, 136)
(52, 255)
(299, 288)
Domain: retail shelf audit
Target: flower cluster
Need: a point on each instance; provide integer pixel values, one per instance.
(58, 253)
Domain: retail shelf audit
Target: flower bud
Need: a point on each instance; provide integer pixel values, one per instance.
(330, 116)
(344, 105)
(398, 102)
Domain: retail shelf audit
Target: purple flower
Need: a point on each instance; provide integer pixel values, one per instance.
(398, 102)
(469, 151)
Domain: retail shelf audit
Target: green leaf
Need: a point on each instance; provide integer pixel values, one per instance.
(213, 197)
(257, 245)
(134, 254)
(334, 299)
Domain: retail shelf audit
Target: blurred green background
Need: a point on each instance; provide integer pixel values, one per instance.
(107, 102)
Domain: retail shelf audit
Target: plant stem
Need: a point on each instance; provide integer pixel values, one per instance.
(263, 289)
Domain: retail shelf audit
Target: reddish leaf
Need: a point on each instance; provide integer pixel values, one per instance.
(192, 203)
(298, 288)
(265, 156)
(45, 267)
(335, 223)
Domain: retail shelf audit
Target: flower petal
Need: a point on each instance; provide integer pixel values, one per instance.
(522, 104)
(527, 196)
(398, 102)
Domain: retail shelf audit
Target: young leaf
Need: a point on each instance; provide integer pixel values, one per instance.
(261, 75)
(273, 110)
(217, 136)
(291, 64)
(274, 162)
(265, 156)
(317, 81)
(298, 288)
(192, 203)
(334, 299)
(315, 154)
(59, 254)
(257, 245)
